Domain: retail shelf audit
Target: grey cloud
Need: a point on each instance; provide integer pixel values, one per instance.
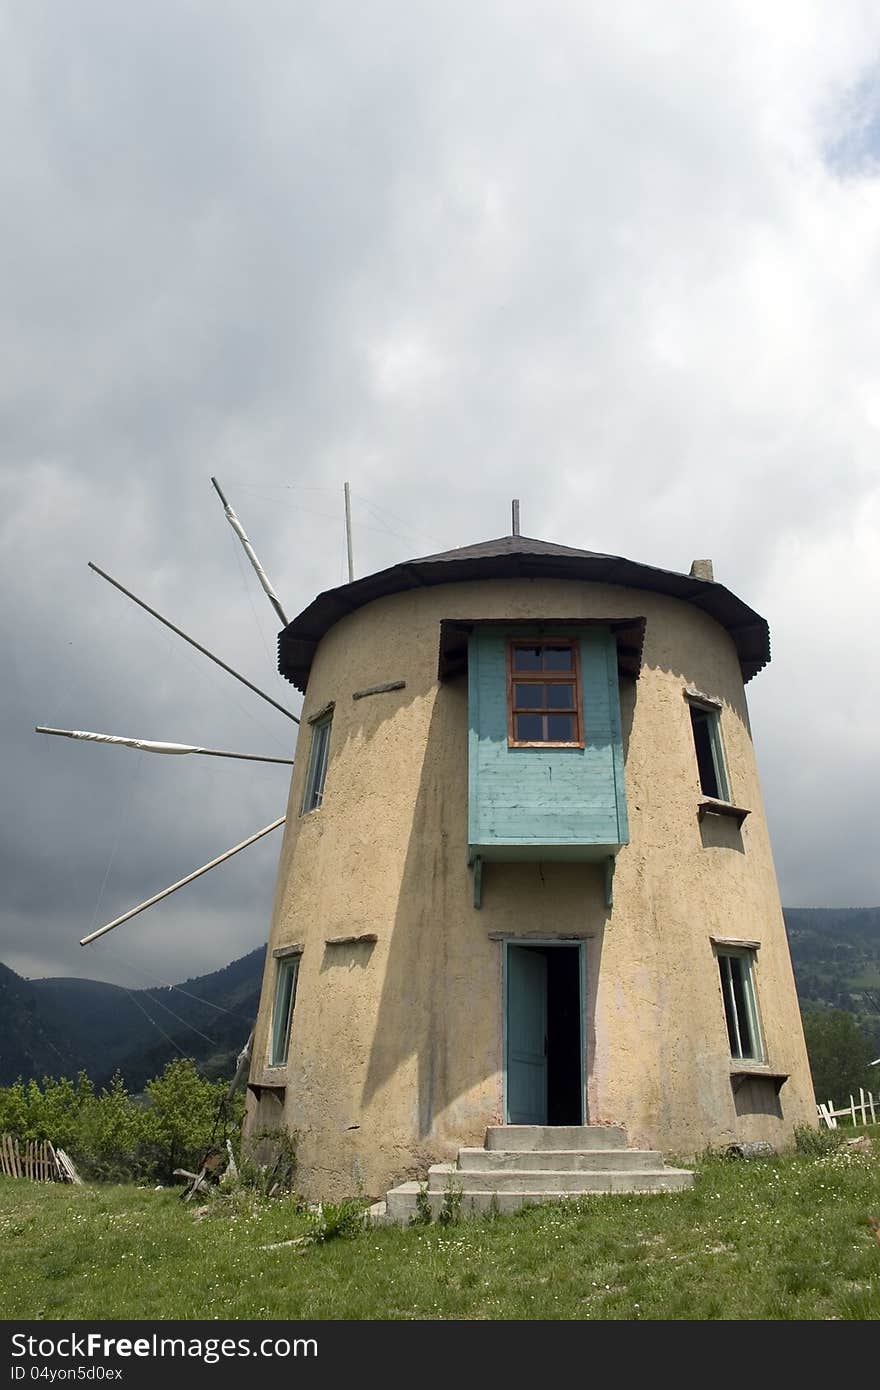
(454, 254)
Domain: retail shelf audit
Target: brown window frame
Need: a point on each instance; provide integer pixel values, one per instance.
(572, 677)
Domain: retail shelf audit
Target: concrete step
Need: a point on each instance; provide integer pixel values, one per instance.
(377, 1214)
(525, 1164)
(546, 1183)
(560, 1160)
(400, 1204)
(555, 1137)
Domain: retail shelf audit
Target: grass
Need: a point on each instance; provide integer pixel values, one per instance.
(785, 1237)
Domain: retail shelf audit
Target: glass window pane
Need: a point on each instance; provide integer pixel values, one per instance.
(558, 659)
(529, 696)
(285, 993)
(317, 767)
(560, 728)
(560, 696)
(738, 971)
(729, 1004)
(701, 722)
(527, 658)
(529, 728)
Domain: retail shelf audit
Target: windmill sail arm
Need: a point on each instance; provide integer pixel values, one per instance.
(251, 554)
(146, 745)
(149, 745)
(154, 613)
(181, 882)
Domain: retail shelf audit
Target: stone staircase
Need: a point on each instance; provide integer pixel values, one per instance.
(520, 1164)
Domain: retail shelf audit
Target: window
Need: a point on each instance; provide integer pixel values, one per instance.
(706, 725)
(740, 1005)
(285, 994)
(317, 772)
(544, 694)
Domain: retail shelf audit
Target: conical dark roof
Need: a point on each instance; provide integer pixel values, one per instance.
(514, 557)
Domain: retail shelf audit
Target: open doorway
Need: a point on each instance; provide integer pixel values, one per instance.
(544, 1047)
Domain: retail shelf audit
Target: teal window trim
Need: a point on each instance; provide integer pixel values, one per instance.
(737, 976)
(473, 676)
(515, 784)
(617, 746)
(282, 1013)
(709, 749)
(313, 796)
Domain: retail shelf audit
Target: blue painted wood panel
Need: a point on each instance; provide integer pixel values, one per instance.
(526, 1037)
(569, 798)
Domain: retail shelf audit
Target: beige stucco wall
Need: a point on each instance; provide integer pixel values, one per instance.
(396, 1049)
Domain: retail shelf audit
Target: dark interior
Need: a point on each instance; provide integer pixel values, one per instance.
(700, 720)
(564, 1087)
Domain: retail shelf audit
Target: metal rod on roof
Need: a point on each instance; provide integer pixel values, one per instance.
(348, 533)
(166, 892)
(515, 516)
(251, 554)
(146, 745)
(193, 643)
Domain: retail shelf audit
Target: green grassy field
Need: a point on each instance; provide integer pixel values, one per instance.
(781, 1237)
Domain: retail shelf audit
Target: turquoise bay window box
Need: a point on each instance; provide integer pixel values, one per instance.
(545, 747)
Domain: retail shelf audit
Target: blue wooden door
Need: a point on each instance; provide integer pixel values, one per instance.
(526, 1037)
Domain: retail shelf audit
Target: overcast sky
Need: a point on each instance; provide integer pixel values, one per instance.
(618, 260)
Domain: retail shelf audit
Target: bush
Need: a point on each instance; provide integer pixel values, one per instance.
(107, 1140)
(450, 1208)
(268, 1161)
(115, 1137)
(423, 1215)
(808, 1140)
(182, 1118)
(336, 1220)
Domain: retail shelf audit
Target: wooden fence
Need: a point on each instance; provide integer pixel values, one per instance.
(860, 1112)
(36, 1159)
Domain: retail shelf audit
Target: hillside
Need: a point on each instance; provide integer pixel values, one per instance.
(836, 958)
(30, 1044)
(59, 1026)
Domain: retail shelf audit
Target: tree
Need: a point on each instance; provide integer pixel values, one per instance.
(839, 1054)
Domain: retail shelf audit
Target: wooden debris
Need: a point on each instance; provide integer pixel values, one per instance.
(65, 1163)
(242, 1065)
(379, 689)
(232, 1167)
(195, 1181)
(35, 1159)
(9, 1156)
(758, 1149)
(861, 1144)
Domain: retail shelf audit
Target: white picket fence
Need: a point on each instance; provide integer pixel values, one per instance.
(860, 1111)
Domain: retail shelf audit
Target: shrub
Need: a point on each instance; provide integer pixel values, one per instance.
(182, 1117)
(268, 1161)
(423, 1215)
(336, 1220)
(808, 1140)
(115, 1137)
(107, 1137)
(450, 1210)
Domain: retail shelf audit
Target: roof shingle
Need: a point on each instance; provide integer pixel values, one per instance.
(510, 557)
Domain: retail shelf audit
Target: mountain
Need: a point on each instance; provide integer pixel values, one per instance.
(836, 956)
(29, 1042)
(60, 1026)
(56, 1027)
